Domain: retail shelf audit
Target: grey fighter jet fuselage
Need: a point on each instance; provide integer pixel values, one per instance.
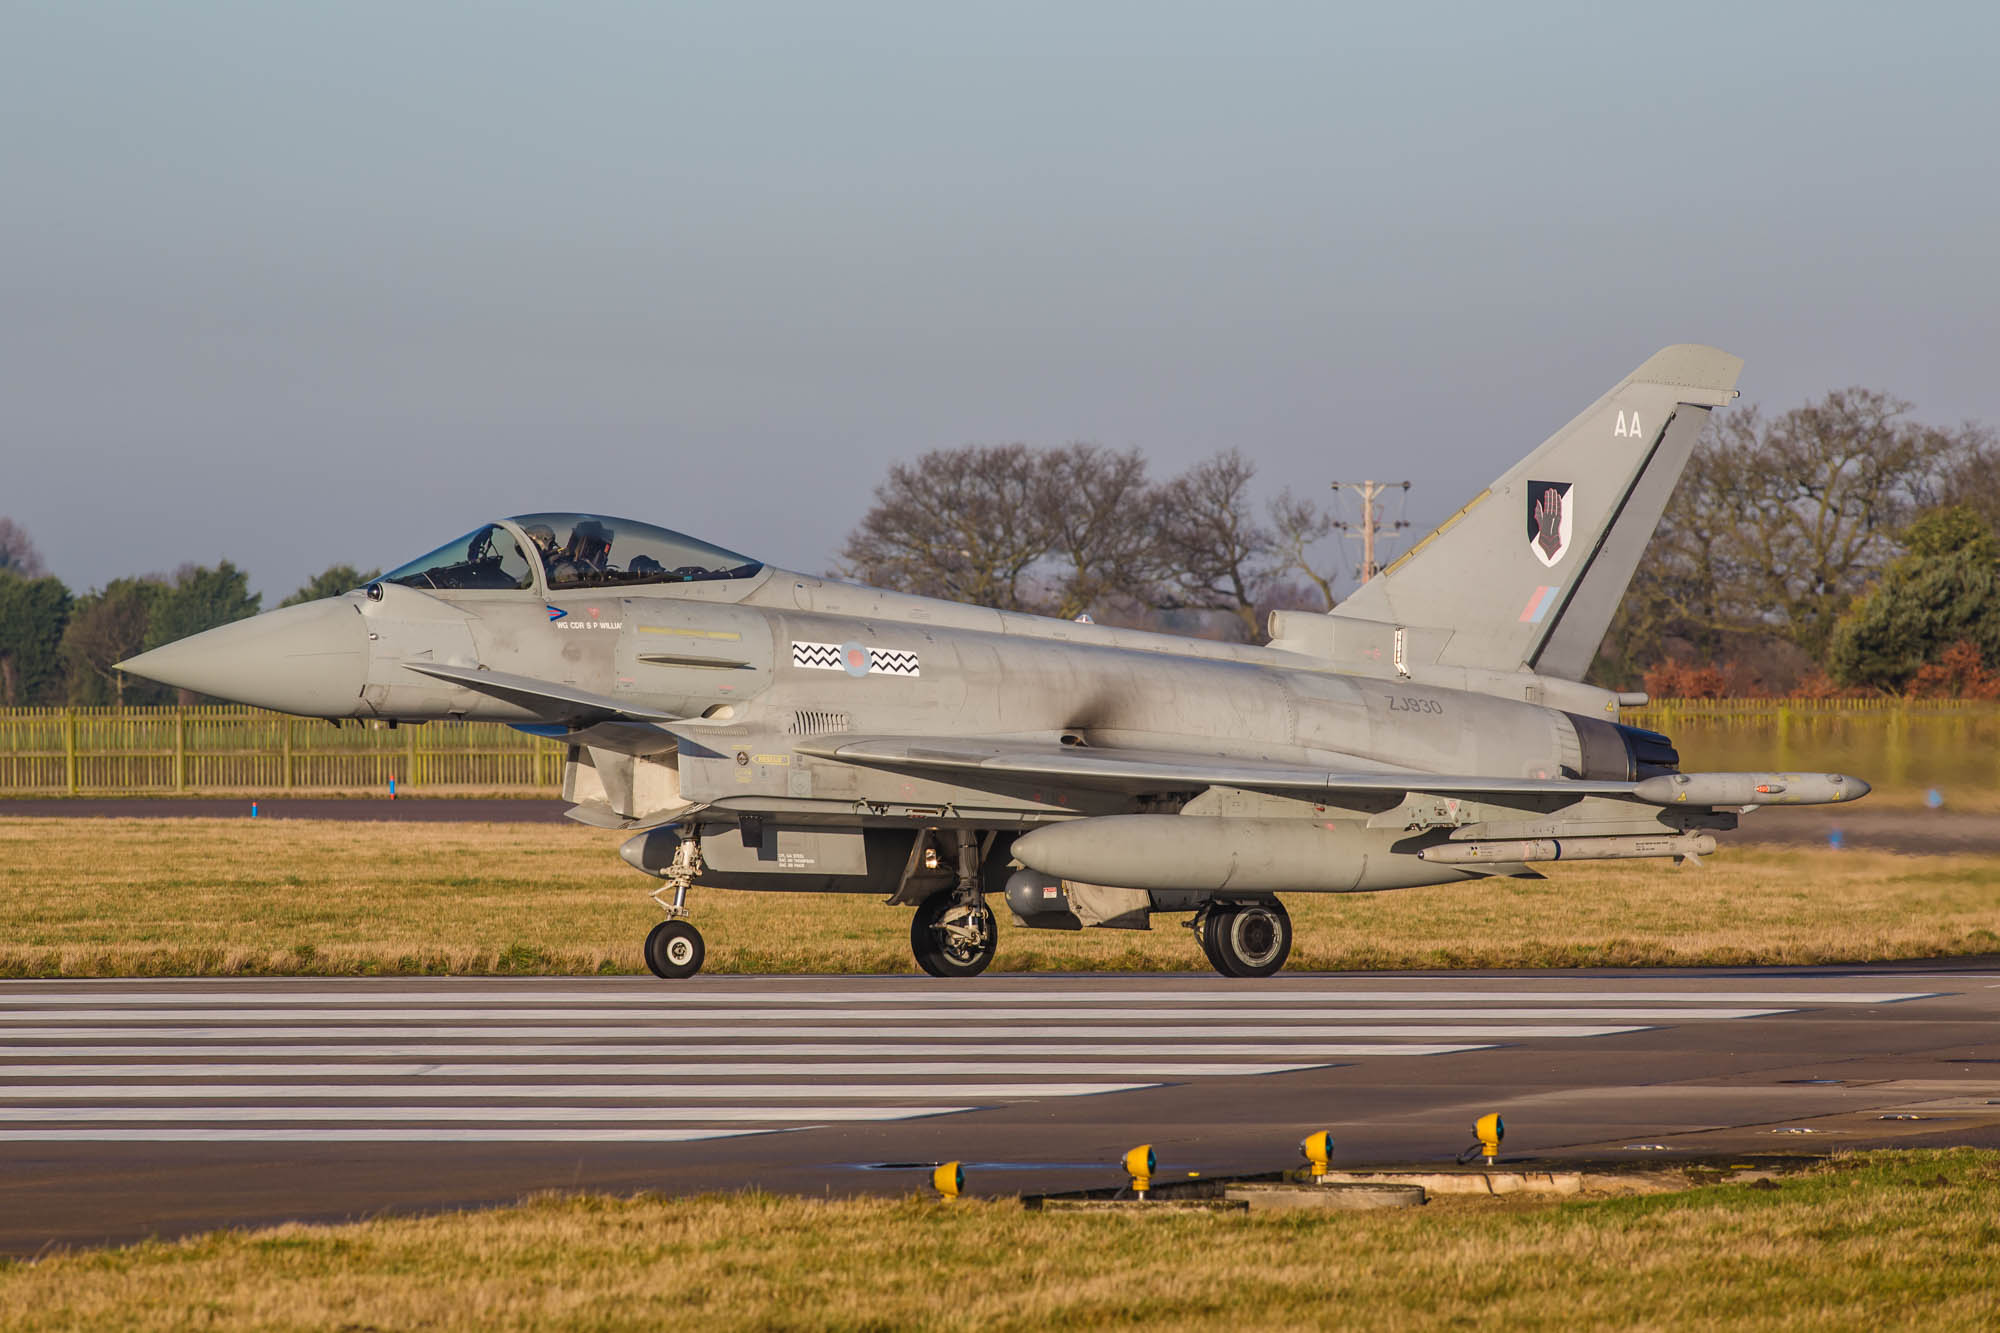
(760, 729)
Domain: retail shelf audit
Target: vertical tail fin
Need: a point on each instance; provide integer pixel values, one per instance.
(1529, 574)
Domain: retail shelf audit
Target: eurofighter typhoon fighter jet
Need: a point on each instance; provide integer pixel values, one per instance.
(760, 729)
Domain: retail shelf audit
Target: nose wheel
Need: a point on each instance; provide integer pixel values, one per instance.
(674, 950)
(1245, 939)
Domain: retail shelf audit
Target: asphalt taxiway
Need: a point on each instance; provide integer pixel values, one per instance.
(146, 1107)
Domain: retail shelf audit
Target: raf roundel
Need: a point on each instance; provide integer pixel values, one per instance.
(854, 659)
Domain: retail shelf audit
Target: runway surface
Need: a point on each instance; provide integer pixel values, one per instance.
(154, 1107)
(1863, 827)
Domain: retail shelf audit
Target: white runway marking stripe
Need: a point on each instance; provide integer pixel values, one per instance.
(537, 1114)
(251, 1134)
(251, 1063)
(673, 1034)
(388, 1049)
(656, 1069)
(582, 1092)
(670, 1014)
(701, 995)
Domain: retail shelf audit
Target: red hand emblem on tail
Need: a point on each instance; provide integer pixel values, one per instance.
(1548, 521)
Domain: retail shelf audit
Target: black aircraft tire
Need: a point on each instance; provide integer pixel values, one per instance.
(1251, 939)
(937, 957)
(674, 951)
(1209, 935)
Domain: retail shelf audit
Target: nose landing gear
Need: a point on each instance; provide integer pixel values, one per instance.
(674, 948)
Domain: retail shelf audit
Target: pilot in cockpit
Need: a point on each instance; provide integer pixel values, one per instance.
(586, 559)
(544, 538)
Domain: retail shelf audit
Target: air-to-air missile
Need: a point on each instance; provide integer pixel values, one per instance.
(748, 727)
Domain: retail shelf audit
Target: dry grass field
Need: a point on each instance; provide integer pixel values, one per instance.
(1875, 1241)
(221, 897)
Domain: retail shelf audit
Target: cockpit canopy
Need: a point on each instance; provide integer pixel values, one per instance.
(572, 551)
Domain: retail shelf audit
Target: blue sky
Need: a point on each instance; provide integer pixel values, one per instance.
(293, 284)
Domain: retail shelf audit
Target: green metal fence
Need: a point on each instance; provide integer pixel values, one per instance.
(101, 751)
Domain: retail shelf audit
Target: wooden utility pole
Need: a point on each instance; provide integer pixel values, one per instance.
(1370, 524)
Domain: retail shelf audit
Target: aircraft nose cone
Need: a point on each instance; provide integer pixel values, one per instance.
(310, 659)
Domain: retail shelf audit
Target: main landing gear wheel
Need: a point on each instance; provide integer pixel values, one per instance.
(674, 950)
(952, 938)
(1247, 939)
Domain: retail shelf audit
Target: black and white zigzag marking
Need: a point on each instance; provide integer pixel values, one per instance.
(833, 657)
(891, 662)
(819, 656)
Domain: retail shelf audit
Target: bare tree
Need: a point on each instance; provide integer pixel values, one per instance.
(1218, 554)
(959, 523)
(17, 553)
(1819, 496)
(1297, 526)
(1102, 512)
(1973, 479)
(1083, 529)
(1780, 522)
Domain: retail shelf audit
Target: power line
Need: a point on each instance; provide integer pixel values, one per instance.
(1370, 524)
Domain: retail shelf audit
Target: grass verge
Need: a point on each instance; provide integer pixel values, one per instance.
(82, 898)
(1873, 1241)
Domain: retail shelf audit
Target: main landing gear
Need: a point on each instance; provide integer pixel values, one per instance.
(954, 933)
(952, 937)
(1246, 939)
(674, 949)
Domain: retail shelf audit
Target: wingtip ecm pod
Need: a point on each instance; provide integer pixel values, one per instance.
(1750, 789)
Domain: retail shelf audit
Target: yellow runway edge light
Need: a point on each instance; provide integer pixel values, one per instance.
(1318, 1151)
(948, 1179)
(1489, 1129)
(1139, 1164)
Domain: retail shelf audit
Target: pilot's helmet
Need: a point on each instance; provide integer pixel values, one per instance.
(542, 535)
